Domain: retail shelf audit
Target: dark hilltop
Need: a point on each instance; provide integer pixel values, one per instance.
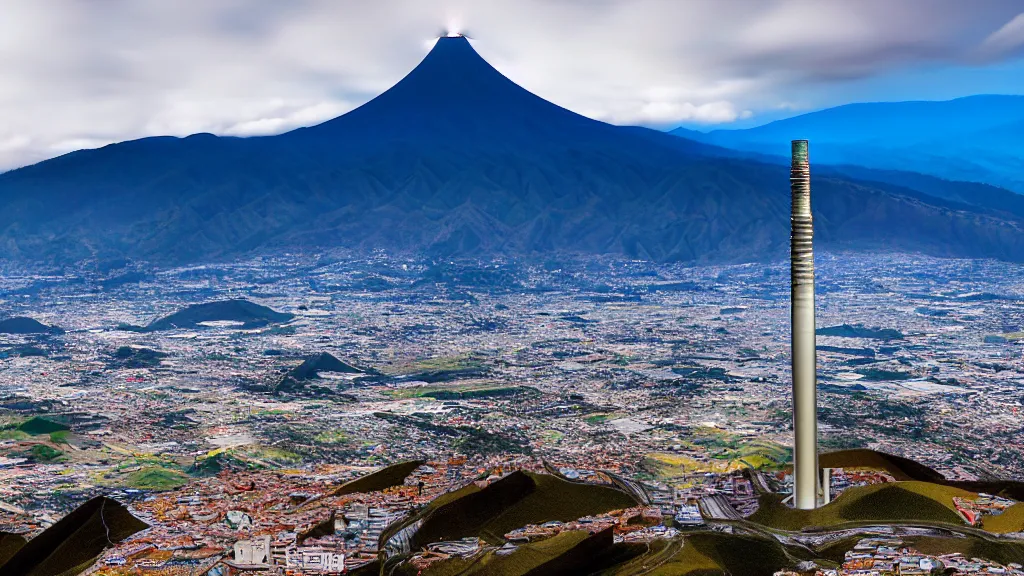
(297, 378)
(24, 325)
(71, 545)
(457, 160)
(251, 315)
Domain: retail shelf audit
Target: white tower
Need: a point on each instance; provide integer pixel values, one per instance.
(805, 401)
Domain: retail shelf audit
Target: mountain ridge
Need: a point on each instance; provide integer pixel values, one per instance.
(975, 138)
(457, 160)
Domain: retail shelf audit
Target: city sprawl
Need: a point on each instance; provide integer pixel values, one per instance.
(232, 438)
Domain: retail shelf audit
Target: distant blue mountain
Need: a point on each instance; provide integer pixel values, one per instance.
(974, 139)
(457, 160)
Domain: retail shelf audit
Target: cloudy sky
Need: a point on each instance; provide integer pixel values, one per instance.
(76, 73)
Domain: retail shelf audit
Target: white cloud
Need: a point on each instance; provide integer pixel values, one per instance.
(84, 73)
(65, 146)
(667, 113)
(289, 119)
(16, 142)
(1007, 40)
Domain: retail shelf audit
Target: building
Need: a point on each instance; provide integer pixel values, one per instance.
(253, 552)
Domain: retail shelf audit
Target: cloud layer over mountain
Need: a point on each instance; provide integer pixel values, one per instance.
(84, 74)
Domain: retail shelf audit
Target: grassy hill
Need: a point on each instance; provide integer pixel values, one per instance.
(900, 468)
(1011, 520)
(971, 547)
(708, 554)
(883, 503)
(514, 501)
(906, 469)
(155, 478)
(537, 558)
(73, 543)
(382, 479)
(578, 552)
(247, 457)
(131, 357)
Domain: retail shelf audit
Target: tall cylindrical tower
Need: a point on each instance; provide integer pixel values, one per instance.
(805, 401)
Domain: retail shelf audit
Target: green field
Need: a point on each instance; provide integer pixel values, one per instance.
(673, 466)
(331, 437)
(600, 418)
(459, 391)
(12, 434)
(155, 478)
(725, 453)
(440, 363)
(42, 453)
(250, 456)
(552, 436)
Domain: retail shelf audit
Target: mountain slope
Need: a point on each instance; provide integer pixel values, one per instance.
(456, 160)
(974, 139)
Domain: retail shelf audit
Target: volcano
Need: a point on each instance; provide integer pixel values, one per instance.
(458, 160)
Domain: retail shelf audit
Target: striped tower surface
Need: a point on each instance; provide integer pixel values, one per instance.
(805, 403)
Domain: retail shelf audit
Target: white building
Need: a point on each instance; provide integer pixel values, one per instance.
(316, 560)
(253, 552)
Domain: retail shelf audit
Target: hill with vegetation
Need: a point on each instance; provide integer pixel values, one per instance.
(155, 478)
(905, 469)
(890, 503)
(1004, 552)
(711, 554)
(580, 552)
(898, 467)
(511, 502)
(382, 479)
(1010, 521)
(575, 551)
